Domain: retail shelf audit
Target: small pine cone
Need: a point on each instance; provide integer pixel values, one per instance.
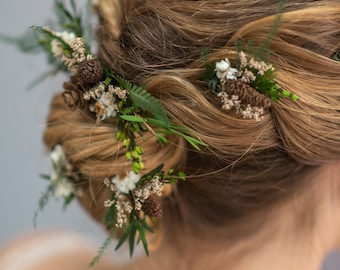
(151, 208)
(91, 71)
(247, 94)
(73, 93)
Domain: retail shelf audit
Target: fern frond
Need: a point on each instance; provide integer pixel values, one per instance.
(102, 250)
(144, 100)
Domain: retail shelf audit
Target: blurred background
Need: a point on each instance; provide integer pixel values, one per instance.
(22, 116)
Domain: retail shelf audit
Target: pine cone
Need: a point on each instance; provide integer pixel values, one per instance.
(151, 208)
(247, 94)
(91, 71)
(73, 94)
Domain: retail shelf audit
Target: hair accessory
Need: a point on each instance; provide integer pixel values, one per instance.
(249, 89)
(97, 89)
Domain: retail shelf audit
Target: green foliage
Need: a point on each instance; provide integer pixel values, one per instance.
(180, 131)
(102, 250)
(70, 20)
(38, 40)
(136, 225)
(44, 199)
(267, 85)
(49, 36)
(262, 51)
(141, 98)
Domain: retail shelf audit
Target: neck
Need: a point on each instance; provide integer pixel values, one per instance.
(295, 235)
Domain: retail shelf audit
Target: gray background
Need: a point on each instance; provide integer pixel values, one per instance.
(22, 117)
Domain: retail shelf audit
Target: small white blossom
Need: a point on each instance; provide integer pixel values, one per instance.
(57, 156)
(63, 188)
(68, 37)
(126, 184)
(225, 71)
(56, 46)
(123, 208)
(109, 203)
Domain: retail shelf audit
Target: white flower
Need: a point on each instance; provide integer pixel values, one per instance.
(225, 71)
(56, 46)
(63, 188)
(126, 184)
(57, 156)
(68, 37)
(106, 106)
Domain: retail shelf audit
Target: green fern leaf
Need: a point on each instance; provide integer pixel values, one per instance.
(144, 100)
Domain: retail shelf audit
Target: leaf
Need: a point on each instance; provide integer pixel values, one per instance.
(49, 34)
(146, 226)
(68, 200)
(62, 11)
(42, 203)
(124, 237)
(132, 239)
(27, 43)
(102, 250)
(178, 131)
(142, 238)
(154, 172)
(110, 217)
(73, 5)
(45, 177)
(132, 118)
(144, 100)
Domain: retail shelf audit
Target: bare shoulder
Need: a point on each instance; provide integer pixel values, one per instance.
(50, 250)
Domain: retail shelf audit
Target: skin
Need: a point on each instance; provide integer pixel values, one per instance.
(284, 241)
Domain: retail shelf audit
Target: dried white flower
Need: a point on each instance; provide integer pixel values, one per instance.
(56, 46)
(63, 187)
(225, 71)
(127, 184)
(57, 156)
(123, 208)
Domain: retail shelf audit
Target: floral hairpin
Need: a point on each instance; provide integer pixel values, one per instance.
(133, 110)
(249, 89)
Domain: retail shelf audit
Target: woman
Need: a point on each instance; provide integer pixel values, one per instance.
(262, 190)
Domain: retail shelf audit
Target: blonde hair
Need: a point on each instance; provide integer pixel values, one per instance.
(247, 165)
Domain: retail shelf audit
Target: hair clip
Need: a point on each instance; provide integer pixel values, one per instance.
(99, 90)
(250, 88)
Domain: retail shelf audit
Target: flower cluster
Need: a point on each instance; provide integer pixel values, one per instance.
(250, 69)
(106, 100)
(130, 194)
(62, 185)
(249, 89)
(69, 48)
(224, 71)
